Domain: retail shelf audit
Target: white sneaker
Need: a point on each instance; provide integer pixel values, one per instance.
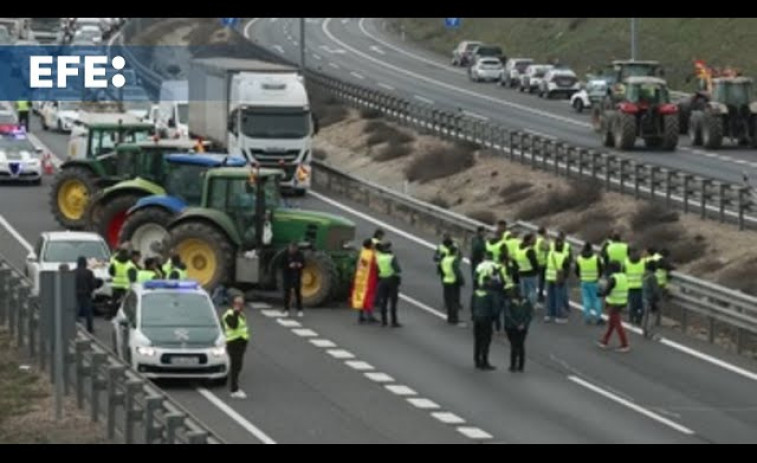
(239, 394)
(300, 314)
(284, 313)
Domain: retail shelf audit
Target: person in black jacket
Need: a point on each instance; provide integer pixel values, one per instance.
(518, 315)
(292, 265)
(86, 284)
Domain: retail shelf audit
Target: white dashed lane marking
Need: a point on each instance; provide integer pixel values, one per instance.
(424, 404)
(288, 323)
(400, 389)
(325, 343)
(340, 354)
(474, 433)
(359, 365)
(305, 332)
(379, 377)
(448, 418)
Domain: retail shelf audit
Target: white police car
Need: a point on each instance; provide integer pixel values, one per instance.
(170, 329)
(20, 160)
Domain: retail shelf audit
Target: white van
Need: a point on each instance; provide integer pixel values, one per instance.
(173, 109)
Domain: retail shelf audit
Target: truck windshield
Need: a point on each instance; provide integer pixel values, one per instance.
(275, 123)
(185, 181)
(183, 110)
(45, 24)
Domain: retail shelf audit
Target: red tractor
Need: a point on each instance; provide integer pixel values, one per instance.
(639, 108)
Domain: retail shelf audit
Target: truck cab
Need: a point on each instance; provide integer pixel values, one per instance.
(172, 114)
(93, 134)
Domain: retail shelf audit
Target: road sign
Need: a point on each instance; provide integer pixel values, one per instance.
(229, 22)
(452, 22)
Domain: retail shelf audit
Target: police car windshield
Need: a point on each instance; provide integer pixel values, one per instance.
(177, 309)
(69, 251)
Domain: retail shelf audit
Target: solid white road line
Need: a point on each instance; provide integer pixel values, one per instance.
(454, 88)
(410, 237)
(289, 323)
(379, 377)
(388, 87)
(448, 418)
(324, 343)
(474, 433)
(423, 99)
(359, 365)
(377, 50)
(475, 115)
(249, 427)
(16, 234)
(631, 405)
(422, 403)
(341, 354)
(305, 333)
(399, 389)
(355, 74)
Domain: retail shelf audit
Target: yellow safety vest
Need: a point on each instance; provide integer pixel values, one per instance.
(589, 267)
(384, 263)
(555, 262)
(22, 105)
(241, 330)
(619, 294)
(521, 257)
(447, 270)
(182, 274)
(513, 244)
(167, 267)
(507, 280)
(660, 274)
(485, 269)
(617, 252)
(634, 273)
(495, 249)
(121, 274)
(541, 253)
(145, 275)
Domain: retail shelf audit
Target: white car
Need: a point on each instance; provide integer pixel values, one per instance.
(485, 69)
(533, 77)
(559, 81)
(90, 33)
(461, 55)
(60, 115)
(20, 160)
(65, 247)
(514, 69)
(170, 329)
(594, 90)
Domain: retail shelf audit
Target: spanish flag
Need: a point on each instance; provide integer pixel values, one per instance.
(364, 284)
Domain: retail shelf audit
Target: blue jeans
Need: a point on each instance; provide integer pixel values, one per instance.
(592, 305)
(635, 304)
(555, 300)
(528, 286)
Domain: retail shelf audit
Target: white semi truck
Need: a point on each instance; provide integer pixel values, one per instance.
(255, 109)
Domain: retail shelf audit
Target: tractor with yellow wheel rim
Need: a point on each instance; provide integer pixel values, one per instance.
(239, 234)
(94, 160)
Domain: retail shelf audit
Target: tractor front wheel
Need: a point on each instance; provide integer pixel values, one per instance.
(207, 253)
(108, 224)
(71, 191)
(319, 279)
(145, 227)
(712, 131)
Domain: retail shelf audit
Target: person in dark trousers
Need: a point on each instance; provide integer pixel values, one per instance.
(478, 251)
(507, 278)
(442, 251)
(483, 312)
(292, 265)
(542, 250)
(390, 278)
(452, 281)
(518, 315)
(237, 335)
(616, 299)
(652, 294)
(528, 268)
(634, 270)
(558, 266)
(123, 273)
(86, 284)
(22, 109)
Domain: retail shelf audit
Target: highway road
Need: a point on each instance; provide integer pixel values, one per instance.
(360, 51)
(326, 379)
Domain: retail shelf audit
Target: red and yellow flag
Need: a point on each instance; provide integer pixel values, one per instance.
(364, 284)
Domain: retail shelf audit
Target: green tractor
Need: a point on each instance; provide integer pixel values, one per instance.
(729, 112)
(91, 158)
(177, 174)
(240, 232)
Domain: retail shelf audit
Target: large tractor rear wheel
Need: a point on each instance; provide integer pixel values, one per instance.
(712, 131)
(145, 227)
(108, 224)
(319, 278)
(605, 130)
(207, 253)
(624, 131)
(71, 191)
(670, 135)
(695, 128)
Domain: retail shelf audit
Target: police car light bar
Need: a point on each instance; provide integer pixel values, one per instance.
(171, 284)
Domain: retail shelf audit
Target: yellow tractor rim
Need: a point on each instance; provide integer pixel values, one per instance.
(73, 196)
(311, 281)
(199, 258)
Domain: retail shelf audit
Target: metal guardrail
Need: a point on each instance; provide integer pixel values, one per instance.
(131, 405)
(718, 305)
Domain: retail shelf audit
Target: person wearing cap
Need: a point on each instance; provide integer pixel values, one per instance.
(483, 312)
(378, 237)
(389, 274)
(442, 251)
(237, 336)
(518, 314)
(292, 264)
(86, 284)
(136, 258)
(452, 281)
(123, 273)
(150, 272)
(178, 269)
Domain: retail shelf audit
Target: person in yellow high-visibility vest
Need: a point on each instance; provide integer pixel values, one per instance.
(452, 281)
(22, 109)
(616, 299)
(237, 336)
(634, 269)
(558, 265)
(542, 249)
(588, 270)
(528, 268)
(124, 273)
(389, 274)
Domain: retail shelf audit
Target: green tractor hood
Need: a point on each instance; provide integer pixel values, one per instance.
(329, 232)
(135, 184)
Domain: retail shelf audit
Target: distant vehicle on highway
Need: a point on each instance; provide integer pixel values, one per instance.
(514, 70)
(20, 160)
(487, 51)
(559, 81)
(462, 54)
(60, 115)
(533, 77)
(485, 69)
(591, 94)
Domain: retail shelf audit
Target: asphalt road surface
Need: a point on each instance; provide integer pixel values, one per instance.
(360, 51)
(326, 379)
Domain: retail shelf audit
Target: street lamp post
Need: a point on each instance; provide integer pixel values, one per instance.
(302, 46)
(633, 39)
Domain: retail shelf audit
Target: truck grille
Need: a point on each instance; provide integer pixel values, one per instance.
(273, 156)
